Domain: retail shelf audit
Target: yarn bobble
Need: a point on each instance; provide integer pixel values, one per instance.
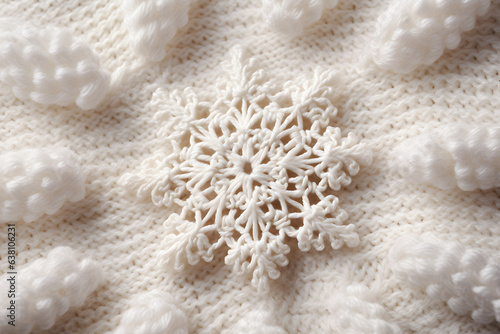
(47, 288)
(256, 322)
(291, 17)
(34, 182)
(453, 156)
(416, 32)
(154, 24)
(357, 310)
(153, 313)
(50, 66)
(465, 278)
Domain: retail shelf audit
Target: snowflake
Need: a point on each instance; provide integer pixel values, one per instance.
(252, 170)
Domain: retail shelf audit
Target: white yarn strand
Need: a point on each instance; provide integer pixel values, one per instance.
(153, 313)
(47, 288)
(416, 32)
(50, 66)
(34, 182)
(465, 278)
(291, 17)
(454, 156)
(153, 24)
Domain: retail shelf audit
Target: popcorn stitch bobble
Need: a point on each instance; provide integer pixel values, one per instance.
(293, 16)
(153, 24)
(153, 313)
(466, 279)
(416, 32)
(48, 287)
(50, 66)
(453, 156)
(38, 181)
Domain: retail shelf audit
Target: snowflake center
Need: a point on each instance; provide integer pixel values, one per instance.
(247, 167)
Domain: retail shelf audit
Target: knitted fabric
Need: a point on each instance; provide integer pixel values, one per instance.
(253, 163)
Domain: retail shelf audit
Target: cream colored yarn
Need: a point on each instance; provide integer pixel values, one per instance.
(125, 234)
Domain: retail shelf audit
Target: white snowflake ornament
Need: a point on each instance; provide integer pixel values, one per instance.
(251, 170)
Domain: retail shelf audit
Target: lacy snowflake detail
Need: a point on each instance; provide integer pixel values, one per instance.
(255, 168)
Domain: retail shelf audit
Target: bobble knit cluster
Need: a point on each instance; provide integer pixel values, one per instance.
(251, 170)
(153, 313)
(153, 24)
(34, 182)
(293, 16)
(466, 279)
(416, 32)
(453, 156)
(48, 287)
(358, 311)
(50, 66)
(255, 322)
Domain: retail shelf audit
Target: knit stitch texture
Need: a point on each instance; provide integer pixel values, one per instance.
(253, 163)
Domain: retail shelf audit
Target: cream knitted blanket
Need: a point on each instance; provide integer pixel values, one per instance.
(263, 166)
